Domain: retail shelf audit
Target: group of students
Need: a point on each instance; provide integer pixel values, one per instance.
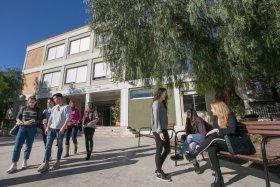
(55, 121)
(197, 140)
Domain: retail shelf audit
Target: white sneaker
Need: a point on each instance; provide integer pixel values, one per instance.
(24, 164)
(43, 167)
(56, 165)
(12, 168)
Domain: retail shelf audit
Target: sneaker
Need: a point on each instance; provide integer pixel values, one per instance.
(188, 157)
(43, 167)
(24, 164)
(166, 174)
(162, 177)
(12, 168)
(197, 169)
(56, 165)
(176, 157)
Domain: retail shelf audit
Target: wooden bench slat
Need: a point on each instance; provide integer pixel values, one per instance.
(266, 132)
(268, 127)
(254, 157)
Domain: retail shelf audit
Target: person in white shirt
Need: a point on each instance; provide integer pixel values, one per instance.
(60, 116)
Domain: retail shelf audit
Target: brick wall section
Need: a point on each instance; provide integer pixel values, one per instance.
(30, 83)
(34, 58)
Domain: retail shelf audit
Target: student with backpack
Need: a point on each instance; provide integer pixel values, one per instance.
(196, 130)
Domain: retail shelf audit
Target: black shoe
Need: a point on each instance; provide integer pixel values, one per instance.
(219, 180)
(167, 175)
(88, 156)
(197, 169)
(176, 157)
(189, 157)
(162, 177)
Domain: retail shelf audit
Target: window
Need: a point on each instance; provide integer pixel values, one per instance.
(141, 93)
(76, 75)
(51, 79)
(195, 102)
(55, 52)
(101, 71)
(80, 45)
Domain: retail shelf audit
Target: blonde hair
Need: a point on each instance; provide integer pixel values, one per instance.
(222, 112)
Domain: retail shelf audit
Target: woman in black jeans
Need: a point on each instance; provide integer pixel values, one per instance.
(90, 120)
(159, 127)
(224, 123)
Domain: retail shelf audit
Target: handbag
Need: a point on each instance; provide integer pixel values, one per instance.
(239, 144)
(14, 130)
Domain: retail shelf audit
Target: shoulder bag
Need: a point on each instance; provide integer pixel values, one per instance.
(240, 144)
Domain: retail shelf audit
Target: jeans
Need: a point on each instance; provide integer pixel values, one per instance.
(25, 134)
(161, 156)
(214, 143)
(52, 134)
(44, 137)
(71, 130)
(89, 132)
(194, 140)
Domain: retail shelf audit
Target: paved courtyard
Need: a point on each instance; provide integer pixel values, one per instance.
(119, 162)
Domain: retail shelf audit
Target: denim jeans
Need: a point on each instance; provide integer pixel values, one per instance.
(194, 140)
(54, 134)
(71, 130)
(25, 134)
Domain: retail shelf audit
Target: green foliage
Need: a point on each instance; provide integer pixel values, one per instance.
(116, 111)
(215, 42)
(11, 83)
(256, 138)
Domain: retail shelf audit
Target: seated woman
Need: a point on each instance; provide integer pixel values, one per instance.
(224, 123)
(196, 130)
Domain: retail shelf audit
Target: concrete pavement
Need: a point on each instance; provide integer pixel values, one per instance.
(119, 162)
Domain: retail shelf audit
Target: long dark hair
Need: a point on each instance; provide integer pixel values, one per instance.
(158, 94)
(190, 122)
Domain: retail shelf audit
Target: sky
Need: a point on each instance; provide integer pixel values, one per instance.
(24, 22)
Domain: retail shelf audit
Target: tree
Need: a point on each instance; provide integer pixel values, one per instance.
(218, 43)
(11, 82)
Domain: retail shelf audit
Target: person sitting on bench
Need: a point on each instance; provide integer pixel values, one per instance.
(224, 123)
(196, 132)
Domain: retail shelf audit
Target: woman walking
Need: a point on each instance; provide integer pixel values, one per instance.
(90, 120)
(27, 119)
(72, 128)
(159, 124)
(224, 123)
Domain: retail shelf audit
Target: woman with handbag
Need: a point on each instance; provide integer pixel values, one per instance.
(72, 128)
(27, 119)
(224, 123)
(159, 124)
(89, 122)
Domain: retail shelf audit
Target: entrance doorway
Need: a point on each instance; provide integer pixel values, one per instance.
(105, 113)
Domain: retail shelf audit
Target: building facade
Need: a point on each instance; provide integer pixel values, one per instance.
(71, 63)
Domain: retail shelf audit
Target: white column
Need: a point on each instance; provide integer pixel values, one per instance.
(87, 99)
(124, 107)
(178, 109)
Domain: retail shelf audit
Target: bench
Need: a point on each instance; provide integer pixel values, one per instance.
(268, 130)
(170, 128)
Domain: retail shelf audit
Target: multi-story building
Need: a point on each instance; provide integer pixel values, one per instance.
(71, 63)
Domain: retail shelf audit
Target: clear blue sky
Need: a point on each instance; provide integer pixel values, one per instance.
(23, 22)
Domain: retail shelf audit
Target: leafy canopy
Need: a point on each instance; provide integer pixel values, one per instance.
(217, 42)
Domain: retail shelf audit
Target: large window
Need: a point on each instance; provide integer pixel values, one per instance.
(51, 79)
(76, 75)
(141, 93)
(79, 45)
(55, 52)
(194, 101)
(101, 71)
